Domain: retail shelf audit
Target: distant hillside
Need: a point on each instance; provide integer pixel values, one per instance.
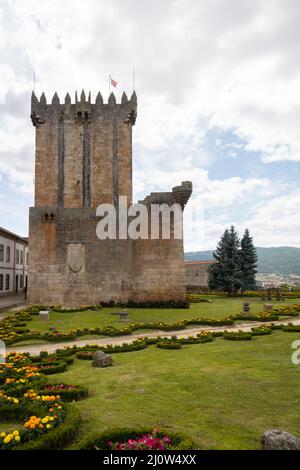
(278, 260)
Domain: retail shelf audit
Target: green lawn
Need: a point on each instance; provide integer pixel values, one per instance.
(218, 309)
(223, 394)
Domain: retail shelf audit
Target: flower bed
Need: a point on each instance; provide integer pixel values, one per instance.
(138, 439)
(67, 392)
(54, 367)
(47, 422)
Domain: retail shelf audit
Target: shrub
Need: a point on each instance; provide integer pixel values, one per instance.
(66, 392)
(237, 336)
(85, 355)
(168, 345)
(54, 367)
(291, 328)
(261, 331)
(147, 303)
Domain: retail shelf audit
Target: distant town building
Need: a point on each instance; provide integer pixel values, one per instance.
(196, 275)
(13, 262)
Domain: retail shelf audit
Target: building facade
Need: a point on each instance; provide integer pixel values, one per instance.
(196, 275)
(13, 263)
(83, 159)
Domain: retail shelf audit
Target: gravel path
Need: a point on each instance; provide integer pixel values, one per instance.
(51, 347)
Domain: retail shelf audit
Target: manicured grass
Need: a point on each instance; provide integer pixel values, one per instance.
(223, 394)
(218, 309)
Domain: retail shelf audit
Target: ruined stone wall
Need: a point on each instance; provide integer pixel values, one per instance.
(196, 274)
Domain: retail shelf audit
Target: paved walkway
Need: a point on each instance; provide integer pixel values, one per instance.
(11, 301)
(51, 347)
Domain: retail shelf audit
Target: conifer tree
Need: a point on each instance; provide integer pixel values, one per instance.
(225, 274)
(248, 262)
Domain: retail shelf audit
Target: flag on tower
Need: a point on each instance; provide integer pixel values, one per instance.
(113, 82)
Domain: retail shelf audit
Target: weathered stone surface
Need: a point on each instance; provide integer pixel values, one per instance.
(246, 307)
(101, 359)
(196, 275)
(276, 439)
(268, 308)
(83, 159)
(44, 315)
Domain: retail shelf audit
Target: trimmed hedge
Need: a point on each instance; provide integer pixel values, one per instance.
(237, 336)
(76, 393)
(147, 304)
(54, 367)
(99, 441)
(291, 328)
(168, 345)
(261, 331)
(59, 308)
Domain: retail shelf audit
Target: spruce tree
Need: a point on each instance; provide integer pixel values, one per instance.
(225, 274)
(248, 262)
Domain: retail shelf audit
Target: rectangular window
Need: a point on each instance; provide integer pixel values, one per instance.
(21, 281)
(7, 282)
(21, 256)
(27, 258)
(8, 254)
(1, 281)
(1, 252)
(17, 257)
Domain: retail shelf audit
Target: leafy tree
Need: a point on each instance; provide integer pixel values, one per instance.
(225, 274)
(248, 262)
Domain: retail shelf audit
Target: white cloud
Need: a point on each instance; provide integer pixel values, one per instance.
(214, 64)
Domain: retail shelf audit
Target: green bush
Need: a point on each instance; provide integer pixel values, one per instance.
(54, 367)
(99, 441)
(85, 355)
(147, 304)
(168, 345)
(74, 393)
(261, 331)
(237, 336)
(291, 328)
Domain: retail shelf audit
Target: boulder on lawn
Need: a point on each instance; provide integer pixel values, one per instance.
(101, 359)
(276, 439)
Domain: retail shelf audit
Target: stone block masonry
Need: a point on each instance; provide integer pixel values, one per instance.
(83, 159)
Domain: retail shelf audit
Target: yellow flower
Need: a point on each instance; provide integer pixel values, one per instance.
(3, 434)
(8, 438)
(45, 420)
(48, 426)
(16, 401)
(16, 433)
(17, 438)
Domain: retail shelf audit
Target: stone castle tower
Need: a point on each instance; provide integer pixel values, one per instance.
(84, 158)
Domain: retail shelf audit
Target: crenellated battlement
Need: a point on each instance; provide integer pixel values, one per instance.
(180, 195)
(82, 108)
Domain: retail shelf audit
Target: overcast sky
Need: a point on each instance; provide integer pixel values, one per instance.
(218, 85)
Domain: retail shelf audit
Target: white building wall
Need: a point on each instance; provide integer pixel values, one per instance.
(7, 266)
(14, 266)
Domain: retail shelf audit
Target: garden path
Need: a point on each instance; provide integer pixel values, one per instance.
(35, 349)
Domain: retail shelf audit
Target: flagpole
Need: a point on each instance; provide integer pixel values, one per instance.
(109, 80)
(133, 79)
